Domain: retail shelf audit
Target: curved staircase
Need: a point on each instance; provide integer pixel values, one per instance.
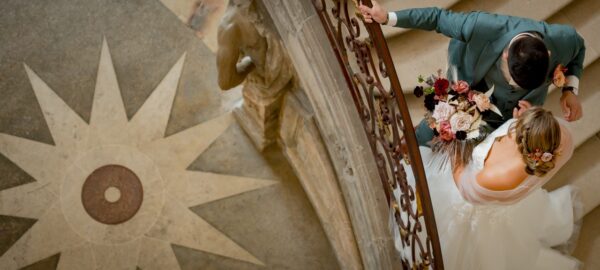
(583, 169)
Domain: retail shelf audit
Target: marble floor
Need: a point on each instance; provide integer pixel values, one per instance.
(118, 150)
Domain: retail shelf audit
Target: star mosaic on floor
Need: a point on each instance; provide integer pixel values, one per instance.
(115, 193)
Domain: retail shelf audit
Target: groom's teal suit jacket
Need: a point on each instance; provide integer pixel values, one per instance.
(478, 40)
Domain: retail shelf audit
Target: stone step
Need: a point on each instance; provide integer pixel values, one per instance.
(588, 246)
(582, 16)
(582, 171)
(421, 52)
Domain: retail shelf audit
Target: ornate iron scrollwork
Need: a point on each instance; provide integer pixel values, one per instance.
(367, 65)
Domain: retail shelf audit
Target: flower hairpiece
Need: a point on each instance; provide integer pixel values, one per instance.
(538, 155)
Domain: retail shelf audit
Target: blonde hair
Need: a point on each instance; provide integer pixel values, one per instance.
(537, 131)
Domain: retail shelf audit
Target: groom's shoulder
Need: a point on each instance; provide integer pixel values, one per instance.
(564, 36)
(560, 30)
(500, 23)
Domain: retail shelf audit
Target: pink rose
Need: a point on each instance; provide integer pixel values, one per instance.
(470, 95)
(445, 131)
(482, 101)
(443, 111)
(461, 87)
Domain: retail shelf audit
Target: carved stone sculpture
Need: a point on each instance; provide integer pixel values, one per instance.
(249, 53)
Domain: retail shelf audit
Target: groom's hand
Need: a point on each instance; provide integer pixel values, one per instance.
(522, 107)
(571, 107)
(375, 13)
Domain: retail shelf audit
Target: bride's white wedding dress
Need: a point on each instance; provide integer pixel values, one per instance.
(481, 229)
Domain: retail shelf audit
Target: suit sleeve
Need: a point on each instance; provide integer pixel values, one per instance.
(455, 25)
(537, 96)
(575, 67)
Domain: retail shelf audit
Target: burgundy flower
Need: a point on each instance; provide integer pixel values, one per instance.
(441, 86)
(461, 135)
(418, 91)
(430, 102)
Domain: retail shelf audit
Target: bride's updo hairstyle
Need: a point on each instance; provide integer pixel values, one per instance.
(538, 137)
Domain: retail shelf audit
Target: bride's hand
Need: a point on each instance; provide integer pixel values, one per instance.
(522, 107)
(375, 13)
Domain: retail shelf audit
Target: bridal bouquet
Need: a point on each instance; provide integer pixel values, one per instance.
(454, 113)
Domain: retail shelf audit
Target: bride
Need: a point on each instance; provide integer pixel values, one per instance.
(492, 213)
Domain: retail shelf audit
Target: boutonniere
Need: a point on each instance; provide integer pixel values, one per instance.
(559, 78)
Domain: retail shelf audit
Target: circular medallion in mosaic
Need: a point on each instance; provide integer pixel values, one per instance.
(112, 194)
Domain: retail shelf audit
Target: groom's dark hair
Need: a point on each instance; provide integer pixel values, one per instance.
(528, 62)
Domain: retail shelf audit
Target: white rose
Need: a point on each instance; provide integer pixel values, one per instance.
(443, 111)
(461, 121)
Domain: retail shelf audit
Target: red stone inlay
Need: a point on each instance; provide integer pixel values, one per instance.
(95, 203)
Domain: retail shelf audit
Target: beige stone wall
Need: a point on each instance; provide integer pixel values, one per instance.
(337, 123)
(303, 147)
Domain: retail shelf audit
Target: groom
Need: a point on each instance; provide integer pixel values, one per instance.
(518, 56)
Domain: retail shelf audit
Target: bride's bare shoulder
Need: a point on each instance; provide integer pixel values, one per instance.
(502, 176)
(504, 168)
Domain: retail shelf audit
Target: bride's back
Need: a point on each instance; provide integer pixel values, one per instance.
(509, 164)
(504, 168)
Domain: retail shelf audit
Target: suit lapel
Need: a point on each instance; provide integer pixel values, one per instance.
(553, 56)
(489, 55)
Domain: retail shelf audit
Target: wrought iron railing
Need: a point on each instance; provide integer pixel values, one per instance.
(365, 60)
